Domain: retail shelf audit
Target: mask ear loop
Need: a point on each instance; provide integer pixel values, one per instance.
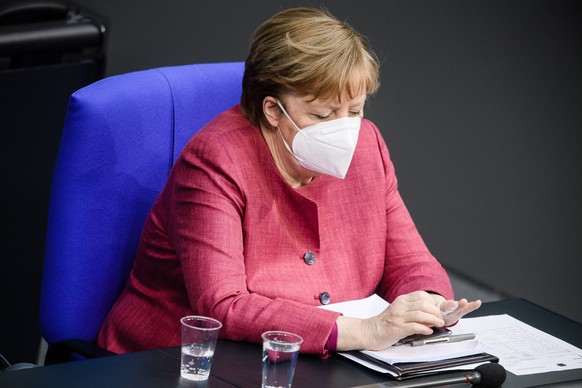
(299, 130)
(287, 114)
(281, 134)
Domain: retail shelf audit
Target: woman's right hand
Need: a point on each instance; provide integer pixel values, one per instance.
(414, 313)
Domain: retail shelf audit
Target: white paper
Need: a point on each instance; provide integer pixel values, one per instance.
(426, 353)
(374, 305)
(521, 348)
(361, 308)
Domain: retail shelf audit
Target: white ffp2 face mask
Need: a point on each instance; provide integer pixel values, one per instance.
(326, 147)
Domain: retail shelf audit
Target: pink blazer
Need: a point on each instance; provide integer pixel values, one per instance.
(230, 239)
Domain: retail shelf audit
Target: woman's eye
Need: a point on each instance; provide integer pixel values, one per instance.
(354, 113)
(321, 117)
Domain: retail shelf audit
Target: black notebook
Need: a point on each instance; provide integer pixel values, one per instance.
(406, 370)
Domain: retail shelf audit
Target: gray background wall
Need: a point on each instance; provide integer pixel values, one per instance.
(480, 106)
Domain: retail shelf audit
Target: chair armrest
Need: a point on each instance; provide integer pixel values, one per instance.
(62, 351)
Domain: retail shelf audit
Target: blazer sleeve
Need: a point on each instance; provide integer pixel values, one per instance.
(409, 266)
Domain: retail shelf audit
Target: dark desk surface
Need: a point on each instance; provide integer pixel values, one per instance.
(239, 364)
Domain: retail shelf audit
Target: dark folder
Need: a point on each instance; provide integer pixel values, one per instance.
(407, 370)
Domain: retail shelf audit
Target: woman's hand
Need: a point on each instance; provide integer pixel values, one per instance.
(452, 310)
(414, 313)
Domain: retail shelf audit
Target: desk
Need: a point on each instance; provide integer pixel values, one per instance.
(239, 364)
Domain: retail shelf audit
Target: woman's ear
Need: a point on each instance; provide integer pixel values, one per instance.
(272, 111)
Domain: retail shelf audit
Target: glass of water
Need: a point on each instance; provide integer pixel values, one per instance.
(199, 336)
(280, 352)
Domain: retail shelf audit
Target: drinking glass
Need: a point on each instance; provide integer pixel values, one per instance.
(199, 336)
(280, 352)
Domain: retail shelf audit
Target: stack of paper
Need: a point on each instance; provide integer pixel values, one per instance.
(407, 361)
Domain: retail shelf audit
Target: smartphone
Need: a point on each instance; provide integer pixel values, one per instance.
(437, 332)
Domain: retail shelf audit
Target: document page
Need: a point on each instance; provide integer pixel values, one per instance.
(521, 348)
(374, 305)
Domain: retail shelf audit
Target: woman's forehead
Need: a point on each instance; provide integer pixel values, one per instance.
(333, 100)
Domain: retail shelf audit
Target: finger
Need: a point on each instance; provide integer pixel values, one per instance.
(417, 328)
(463, 302)
(472, 306)
(466, 307)
(462, 307)
(418, 300)
(423, 317)
(461, 311)
(423, 307)
(417, 296)
(448, 306)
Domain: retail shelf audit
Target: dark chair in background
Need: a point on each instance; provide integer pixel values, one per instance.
(121, 137)
(47, 32)
(47, 51)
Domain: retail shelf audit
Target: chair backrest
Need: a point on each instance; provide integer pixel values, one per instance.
(121, 137)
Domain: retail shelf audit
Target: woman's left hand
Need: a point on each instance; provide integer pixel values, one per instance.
(453, 310)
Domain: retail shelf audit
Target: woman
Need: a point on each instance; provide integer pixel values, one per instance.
(282, 204)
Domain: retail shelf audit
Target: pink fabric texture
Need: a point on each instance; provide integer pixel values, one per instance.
(331, 344)
(228, 237)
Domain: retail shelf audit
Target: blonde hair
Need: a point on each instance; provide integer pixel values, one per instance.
(306, 51)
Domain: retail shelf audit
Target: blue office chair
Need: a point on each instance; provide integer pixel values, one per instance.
(121, 137)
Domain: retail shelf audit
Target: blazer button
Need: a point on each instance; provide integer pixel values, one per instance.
(324, 297)
(309, 258)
